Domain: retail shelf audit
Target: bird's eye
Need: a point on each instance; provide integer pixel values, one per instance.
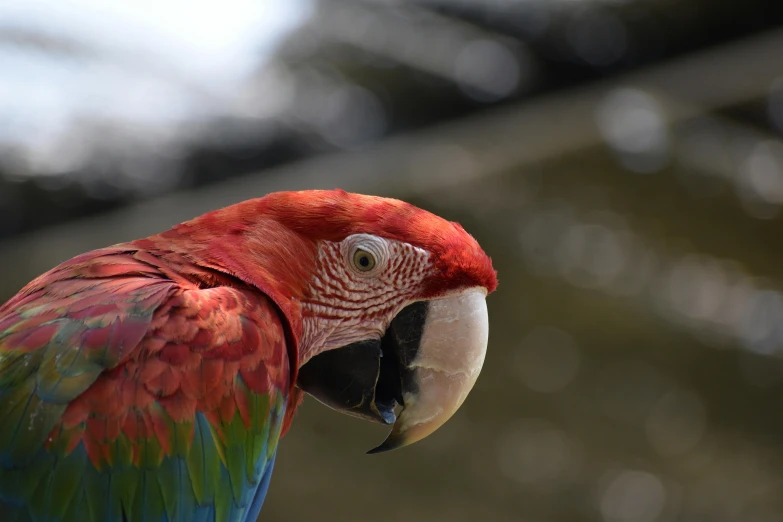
(363, 260)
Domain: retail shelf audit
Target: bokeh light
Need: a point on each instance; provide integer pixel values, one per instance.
(621, 161)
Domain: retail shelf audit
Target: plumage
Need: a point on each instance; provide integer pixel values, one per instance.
(151, 381)
(165, 399)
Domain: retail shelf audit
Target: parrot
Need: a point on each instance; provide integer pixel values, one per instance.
(152, 380)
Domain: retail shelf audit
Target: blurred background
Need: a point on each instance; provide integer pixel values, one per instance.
(620, 160)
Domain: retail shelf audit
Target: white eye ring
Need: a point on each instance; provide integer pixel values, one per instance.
(365, 254)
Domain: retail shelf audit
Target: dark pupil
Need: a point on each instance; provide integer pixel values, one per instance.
(364, 261)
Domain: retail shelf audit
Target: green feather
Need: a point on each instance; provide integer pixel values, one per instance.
(234, 456)
(65, 372)
(183, 437)
(223, 502)
(151, 497)
(203, 462)
(259, 412)
(150, 453)
(275, 418)
(186, 500)
(16, 402)
(62, 488)
(33, 426)
(124, 484)
(77, 509)
(16, 367)
(122, 451)
(259, 426)
(98, 486)
(168, 482)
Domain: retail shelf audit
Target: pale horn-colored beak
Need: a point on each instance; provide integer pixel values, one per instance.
(444, 367)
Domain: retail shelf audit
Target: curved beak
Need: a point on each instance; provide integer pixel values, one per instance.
(442, 371)
(427, 362)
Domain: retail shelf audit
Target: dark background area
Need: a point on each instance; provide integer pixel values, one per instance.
(622, 163)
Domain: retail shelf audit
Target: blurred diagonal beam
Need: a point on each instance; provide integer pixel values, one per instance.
(418, 38)
(511, 136)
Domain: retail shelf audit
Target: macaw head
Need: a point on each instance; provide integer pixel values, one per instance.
(388, 301)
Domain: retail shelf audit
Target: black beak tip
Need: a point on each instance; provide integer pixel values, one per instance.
(387, 445)
(379, 449)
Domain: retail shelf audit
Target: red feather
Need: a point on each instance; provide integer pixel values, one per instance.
(175, 319)
(275, 247)
(160, 341)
